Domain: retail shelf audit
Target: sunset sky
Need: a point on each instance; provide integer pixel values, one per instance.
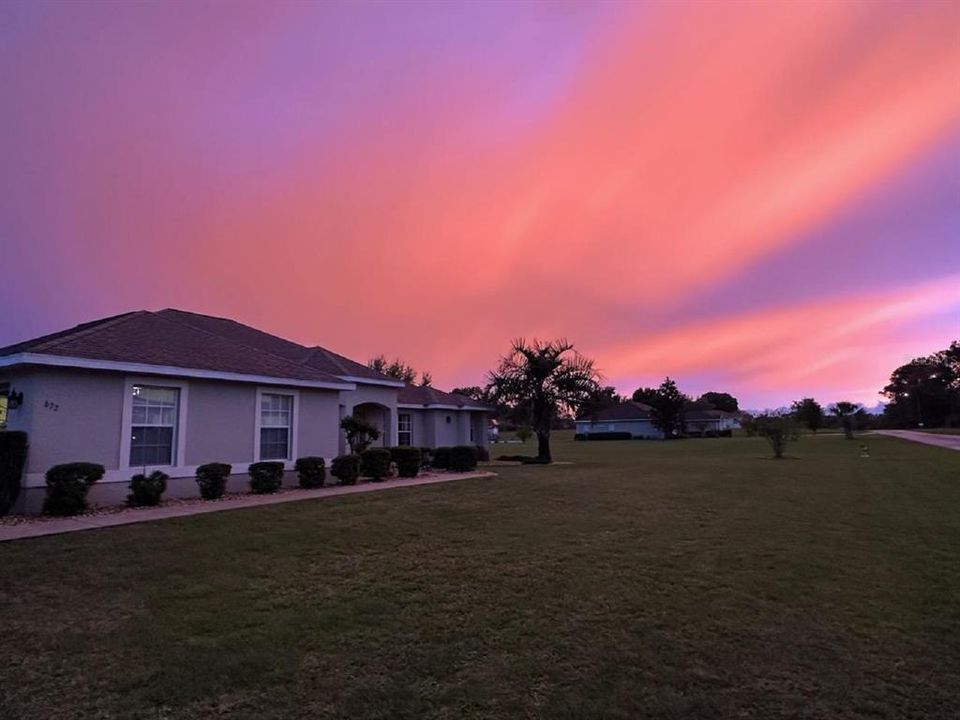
(759, 198)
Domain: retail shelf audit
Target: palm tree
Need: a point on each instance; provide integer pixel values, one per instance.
(846, 411)
(551, 377)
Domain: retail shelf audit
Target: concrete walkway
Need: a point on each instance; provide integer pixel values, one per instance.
(951, 442)
(56, 526)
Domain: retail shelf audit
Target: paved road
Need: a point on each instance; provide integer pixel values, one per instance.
(951, 442)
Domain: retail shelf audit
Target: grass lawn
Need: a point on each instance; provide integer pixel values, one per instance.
(691, 579)
(943, 431)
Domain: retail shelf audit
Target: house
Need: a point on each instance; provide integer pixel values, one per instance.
(172, 390)
(627, 417)
(708, 422)
(635, 418)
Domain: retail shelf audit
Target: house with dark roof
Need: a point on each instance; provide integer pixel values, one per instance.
(627, 417)
(171, 390)
(635, 418)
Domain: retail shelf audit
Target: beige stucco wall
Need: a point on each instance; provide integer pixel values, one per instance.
(77, 415)
(69, 415)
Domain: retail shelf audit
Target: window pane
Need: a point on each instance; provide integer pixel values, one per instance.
(274, 443)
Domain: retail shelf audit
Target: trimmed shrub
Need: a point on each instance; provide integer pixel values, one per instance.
(311, 471)
(483, 455)
(212, 479)
(441, 458)
(67, 487)
(265, 477)
(580, 436)
(426, 457)
(146, 490)
(463, 458)
(13, 457)
(609, 436)
(407, 459)
(346, 468)
(375, 463)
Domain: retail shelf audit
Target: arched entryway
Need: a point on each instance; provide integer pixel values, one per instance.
(381, 417)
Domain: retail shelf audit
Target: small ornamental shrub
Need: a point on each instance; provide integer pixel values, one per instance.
(375, 463)
(212, 479)
(441, 458)
(618, 435)
(580, 436)
(778, 429)
(13, 457)
(67, 487)
(146, 490)
(346, 469)
(426, 457)
(311, 471)
(483, 455)
(359, 433)
(463, 458)
(407, 460)
(265, 477)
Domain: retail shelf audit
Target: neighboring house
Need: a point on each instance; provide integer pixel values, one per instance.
(711, 422)
(171, 390)
(630, 416)
(634, 417)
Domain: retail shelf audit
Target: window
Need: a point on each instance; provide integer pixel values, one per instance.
(153, 425)
(276, 426)
(404, 429)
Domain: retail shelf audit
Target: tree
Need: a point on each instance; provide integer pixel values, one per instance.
(808, 413)
(426, 380)
(645, 395)
(721, 401)
(359, 432)
(777, 428)
(549, 376)
(474, 392)
(925, 391)
(396, 369)
(845, 411)
(668, 405)
(600, 400)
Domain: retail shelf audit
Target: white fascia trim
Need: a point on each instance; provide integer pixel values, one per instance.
(168, 370)
(372, 381)
(415, 406)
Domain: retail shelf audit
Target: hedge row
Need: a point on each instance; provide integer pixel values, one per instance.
(68, 483)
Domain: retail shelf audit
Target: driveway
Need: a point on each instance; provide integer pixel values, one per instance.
(951, 442)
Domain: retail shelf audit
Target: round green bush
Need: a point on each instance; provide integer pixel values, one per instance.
(212, 479)
(311, 471)
(265, 477)
(441, 458)
(407, 460)
(67, 487)
(346, 468)
(146, 490)
(463, 458)
(375, 463)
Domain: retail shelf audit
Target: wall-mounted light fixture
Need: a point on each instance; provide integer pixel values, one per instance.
(14, 399)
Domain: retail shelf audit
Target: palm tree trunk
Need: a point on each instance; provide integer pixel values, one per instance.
(543, 446)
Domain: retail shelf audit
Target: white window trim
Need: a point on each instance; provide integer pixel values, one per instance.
(409, 432)
(126, 422)
(294, 422)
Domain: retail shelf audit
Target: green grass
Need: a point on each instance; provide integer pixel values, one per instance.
(692, 579)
